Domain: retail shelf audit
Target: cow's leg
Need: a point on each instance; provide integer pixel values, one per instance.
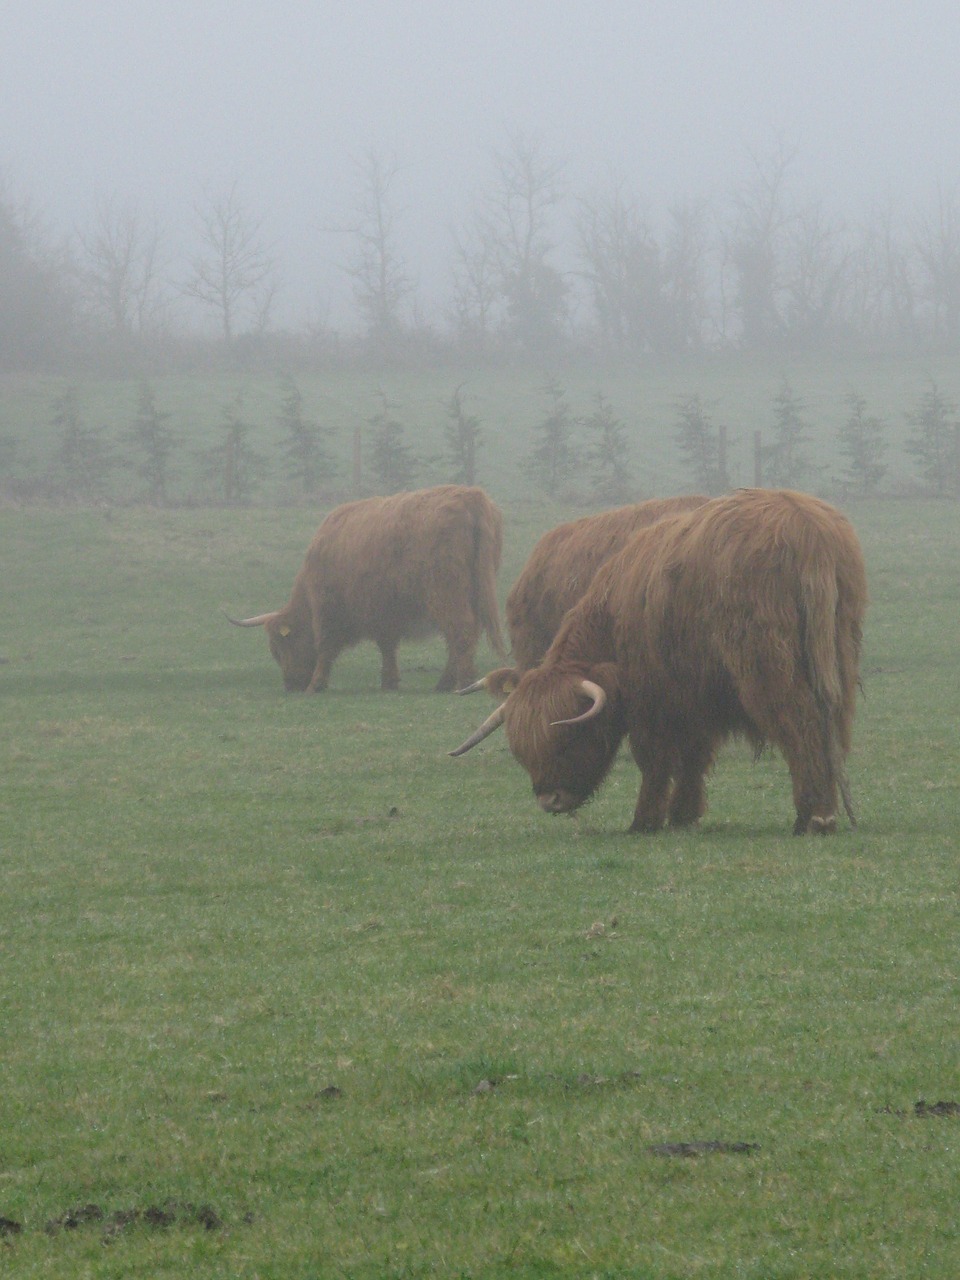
(321, 672)
(654, 798)
(389, 671)
(795, 723)
(814, 784)
(688, 803)
(319, 679)
(814, 788)
(329, 645)
(461, 638)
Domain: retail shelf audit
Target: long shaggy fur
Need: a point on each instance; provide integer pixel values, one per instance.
(742, 616)
(390, 569)
(562, 566)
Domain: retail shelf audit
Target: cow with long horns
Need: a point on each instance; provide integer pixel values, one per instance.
(743, 616)
(391, 569)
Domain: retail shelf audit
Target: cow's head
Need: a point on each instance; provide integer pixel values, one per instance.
(562, 724)
(291, 643)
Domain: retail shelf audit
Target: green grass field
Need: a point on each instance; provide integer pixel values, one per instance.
(286, 992)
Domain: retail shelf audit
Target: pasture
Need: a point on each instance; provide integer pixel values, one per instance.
(286, 992)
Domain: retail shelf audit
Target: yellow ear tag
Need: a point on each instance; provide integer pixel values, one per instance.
(509, 685)
(284, 630)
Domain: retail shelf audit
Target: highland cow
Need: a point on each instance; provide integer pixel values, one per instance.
(743, 616)
(392, 569)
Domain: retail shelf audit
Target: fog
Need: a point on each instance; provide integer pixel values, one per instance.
(162, 104)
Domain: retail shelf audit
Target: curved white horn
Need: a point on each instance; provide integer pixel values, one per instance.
(258, 621)
(490, 725)
(475, 687)
(599, 701)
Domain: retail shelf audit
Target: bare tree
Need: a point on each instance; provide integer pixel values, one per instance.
(684, 273)
(621, 263)
(233, 265)
(937, 244)
(816, 271)
(378, 271)
(754, 247)
(517, 224)
(37, 288)
(121, 267)
(881, 280)
(475, 289)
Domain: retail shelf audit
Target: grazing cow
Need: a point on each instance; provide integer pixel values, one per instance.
(563, 564)
(391, 569)
(743, 616)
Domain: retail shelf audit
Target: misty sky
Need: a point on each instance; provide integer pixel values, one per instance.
(161, 101)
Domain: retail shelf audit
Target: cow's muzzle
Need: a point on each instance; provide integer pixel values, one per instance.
(559, 801)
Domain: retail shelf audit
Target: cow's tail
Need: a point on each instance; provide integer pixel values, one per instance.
(487, 550)
(823, 617)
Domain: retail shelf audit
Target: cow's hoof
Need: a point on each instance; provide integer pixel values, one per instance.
(447, 684)
(684, 820)
(816, 826)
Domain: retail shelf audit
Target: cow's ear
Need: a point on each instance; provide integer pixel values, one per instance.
(502, 682)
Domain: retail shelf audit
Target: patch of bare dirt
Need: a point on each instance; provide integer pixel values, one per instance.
(924, 1109)
(693, 1149)
(157, 1217)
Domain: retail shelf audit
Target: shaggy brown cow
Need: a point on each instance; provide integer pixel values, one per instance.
(743, 616)
(391, 569)
(563, 564)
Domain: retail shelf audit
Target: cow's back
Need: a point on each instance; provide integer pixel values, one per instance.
(694, 599)
(386, 557)
(564, 563)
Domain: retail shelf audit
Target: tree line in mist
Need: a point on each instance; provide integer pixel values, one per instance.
(563, 455)
(538, 271)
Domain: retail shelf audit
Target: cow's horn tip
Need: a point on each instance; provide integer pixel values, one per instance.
(475, 687)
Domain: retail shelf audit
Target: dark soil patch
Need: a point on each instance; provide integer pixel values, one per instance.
(922, 1108)
(157, 1217)
(75, 1218)
(328, 1094)
(9, 1227)
(692, 1149)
